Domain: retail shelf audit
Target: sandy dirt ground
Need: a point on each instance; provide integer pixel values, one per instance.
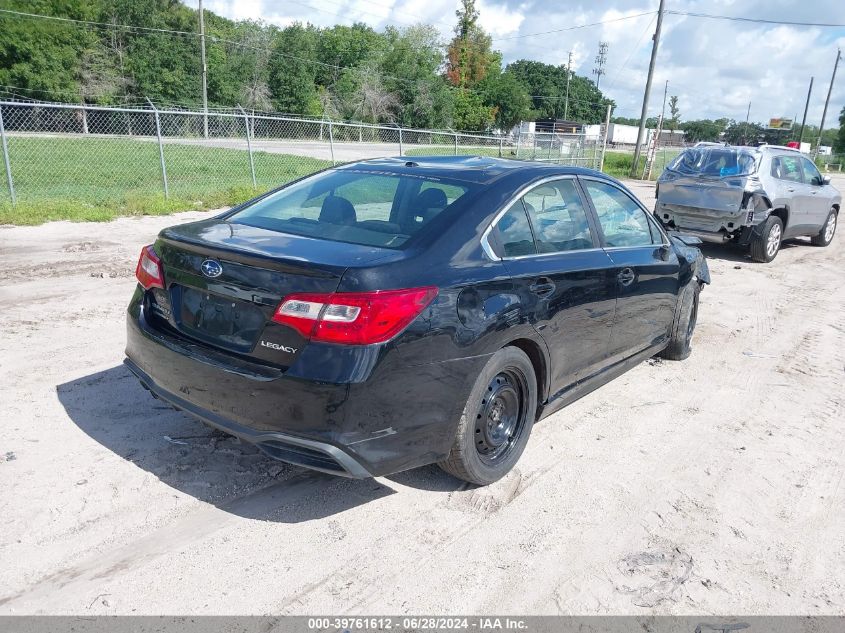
(713, 485)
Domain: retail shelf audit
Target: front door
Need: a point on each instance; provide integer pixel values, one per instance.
(645, 270)
(819, 198)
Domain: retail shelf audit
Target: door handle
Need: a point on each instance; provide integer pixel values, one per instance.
(626, 277)
(542, 287)
(790, 189)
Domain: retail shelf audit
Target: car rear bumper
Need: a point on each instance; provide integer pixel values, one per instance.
(396, 417)
(288, 448)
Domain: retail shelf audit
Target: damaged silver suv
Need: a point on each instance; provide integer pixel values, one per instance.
(752, 196)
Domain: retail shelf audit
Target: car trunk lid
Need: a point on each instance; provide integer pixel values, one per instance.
(225, 280)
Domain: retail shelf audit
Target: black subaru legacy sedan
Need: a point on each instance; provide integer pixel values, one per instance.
(392, 313)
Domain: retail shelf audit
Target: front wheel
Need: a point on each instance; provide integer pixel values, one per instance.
(766, 244)
(825, 236)
(680, 338)
(496, 421)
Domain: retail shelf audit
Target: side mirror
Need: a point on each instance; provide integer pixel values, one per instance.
(825, 180)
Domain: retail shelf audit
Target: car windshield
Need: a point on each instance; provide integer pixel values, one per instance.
(715, 161)
(355, 206)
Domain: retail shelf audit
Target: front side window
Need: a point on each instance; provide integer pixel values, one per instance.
(355, 206)
(558, 217)
(622, 220)
(787, 168)
(812, 175)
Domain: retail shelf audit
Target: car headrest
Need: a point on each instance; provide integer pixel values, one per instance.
(431, 199)
(337, 210)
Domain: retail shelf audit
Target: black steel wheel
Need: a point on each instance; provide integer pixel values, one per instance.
(501, 416)
(496, 421)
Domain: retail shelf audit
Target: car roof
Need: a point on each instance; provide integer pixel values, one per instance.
(469, 169)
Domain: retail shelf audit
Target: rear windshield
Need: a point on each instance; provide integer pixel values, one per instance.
(715, 161)
(358, 207)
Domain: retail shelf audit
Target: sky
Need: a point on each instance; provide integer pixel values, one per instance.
(715, 67)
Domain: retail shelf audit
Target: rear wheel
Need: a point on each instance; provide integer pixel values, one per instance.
(766, 244)
(496, 421)
(825, 236)
(682, 329)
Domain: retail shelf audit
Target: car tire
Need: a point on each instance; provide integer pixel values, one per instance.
(496, 421)
(683, 326)
(766, 243)
(827, 232)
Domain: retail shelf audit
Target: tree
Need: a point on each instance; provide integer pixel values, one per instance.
(410, 65)
(362, 95)
(743, 133)
(624, 120)
(702, 130)
(470, 55)
(675, 113)
(839, 143)
(471, 114)
(256, 40)
(508, 97)
(292, 79)
(341, 47)
(547, 86)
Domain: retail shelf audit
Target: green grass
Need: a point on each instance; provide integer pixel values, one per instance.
(97, 179)
(618, 164)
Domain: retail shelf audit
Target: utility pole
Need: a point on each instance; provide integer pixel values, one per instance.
(641, 131)
(601, 58)
(204, 74)
(568, 77)
(665, 92)
(806, 106)
(827, 101)
(745, 129)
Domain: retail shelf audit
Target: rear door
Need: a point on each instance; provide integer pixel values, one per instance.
(561, 276)
(791, 188)
(645, 269)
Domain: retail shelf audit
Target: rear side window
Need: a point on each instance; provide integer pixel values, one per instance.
(354, 206)
(558, 217)
(622, 220)
(514, 232)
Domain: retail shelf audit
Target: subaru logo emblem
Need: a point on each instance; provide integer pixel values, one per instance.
(211, 268)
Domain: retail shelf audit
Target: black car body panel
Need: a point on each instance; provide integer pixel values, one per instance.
(210, 346)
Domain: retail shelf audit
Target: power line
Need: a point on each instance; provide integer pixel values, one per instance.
(734, 18)
(573, 28)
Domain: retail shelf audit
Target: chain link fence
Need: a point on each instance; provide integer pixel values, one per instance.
(98, 155)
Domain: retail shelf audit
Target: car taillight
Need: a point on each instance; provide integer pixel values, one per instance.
(148, 271)
(353, 318)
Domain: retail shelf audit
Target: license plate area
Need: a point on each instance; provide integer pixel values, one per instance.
(217, 319)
